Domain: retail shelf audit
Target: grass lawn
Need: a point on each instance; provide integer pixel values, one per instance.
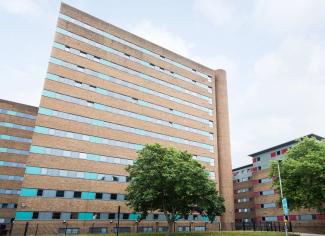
(225, 233)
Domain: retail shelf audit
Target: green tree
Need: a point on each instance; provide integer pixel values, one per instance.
(303, 175)
(170, 181)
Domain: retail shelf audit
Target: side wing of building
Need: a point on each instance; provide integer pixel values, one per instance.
(16, 129)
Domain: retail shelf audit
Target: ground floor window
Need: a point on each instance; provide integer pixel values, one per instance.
(69, 231)
(145, 229)
(98, 230)
(199, 228)
(183, 229)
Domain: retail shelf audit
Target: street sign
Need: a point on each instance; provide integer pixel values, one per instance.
(285, 206)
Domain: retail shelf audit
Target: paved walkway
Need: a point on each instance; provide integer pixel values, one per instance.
(307, 234)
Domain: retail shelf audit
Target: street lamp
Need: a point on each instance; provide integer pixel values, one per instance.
(118, 220)
(137, 223)
(284, 201)
(66, 226)
(174, 225)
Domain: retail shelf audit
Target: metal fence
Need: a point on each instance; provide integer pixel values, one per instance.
(263, 226)
(75, 228)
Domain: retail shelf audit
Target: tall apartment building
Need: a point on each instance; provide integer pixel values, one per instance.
(243, 194)
(258, 185)
(16, 128)
(106, 94)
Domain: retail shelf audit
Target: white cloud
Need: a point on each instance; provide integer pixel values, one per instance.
(21, 7)
(220, 13)
(290, 15)
(162, 37)
(285, 98)
(24, 85)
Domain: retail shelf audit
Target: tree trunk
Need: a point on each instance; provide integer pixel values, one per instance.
(170, 227)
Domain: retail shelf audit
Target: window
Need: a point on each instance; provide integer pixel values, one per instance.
(35, 215)
(83, 54)
(199, 228)
(39, 192)
(284, 150)
(269, 218)
(49, 193)
(111, 216)
(99, 195)
(155, 216)
(90, 103)
(69, 231)
(268, 205)
(77, 83)
(145, 229)
(264, 180)
(77, 194)
(258, 158)
(183, 228)
(56, 215)
(68, 194)
(306, 217)
(80, 68)
(267, 192)
(244, 210)
(259, 167)
(113, 196)
(115, 178)
(96, 215)
(74, 215)
(126, 216)
(278, 153)
(98, 230)
(60, 193)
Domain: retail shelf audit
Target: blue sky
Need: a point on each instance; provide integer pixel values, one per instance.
(273, 52)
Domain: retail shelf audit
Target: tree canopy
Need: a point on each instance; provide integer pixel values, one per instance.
(303, 175)
(170, 181)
